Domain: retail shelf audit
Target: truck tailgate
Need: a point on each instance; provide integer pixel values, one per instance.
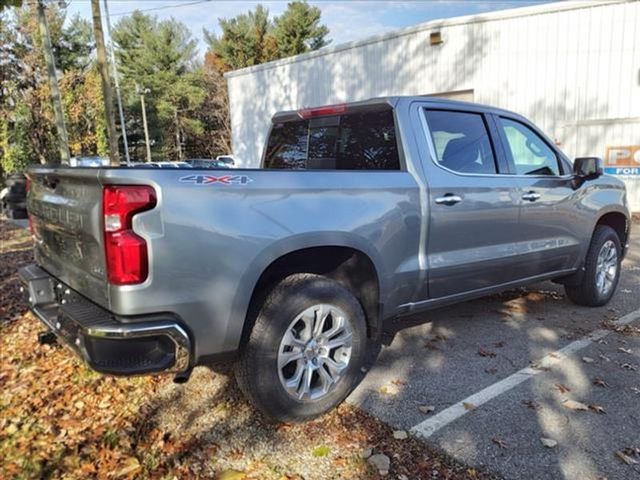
(65, 205)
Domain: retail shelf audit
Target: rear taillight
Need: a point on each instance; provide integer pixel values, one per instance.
(126, 252)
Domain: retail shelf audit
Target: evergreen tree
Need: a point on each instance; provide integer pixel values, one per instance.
(298, 30)
(252, 38)
(158, 56)
(246, 39)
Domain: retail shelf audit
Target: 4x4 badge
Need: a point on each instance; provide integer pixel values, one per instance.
(212, 179)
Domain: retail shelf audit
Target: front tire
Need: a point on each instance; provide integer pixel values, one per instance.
(306, 349)
(601, 270)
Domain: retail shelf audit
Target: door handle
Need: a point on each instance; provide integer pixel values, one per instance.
(449, 199)
(531, 196)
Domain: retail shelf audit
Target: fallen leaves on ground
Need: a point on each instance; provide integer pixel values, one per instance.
(532, 404)
(426, 409)
(574, 405)
(540, 367)
(468, 406)
(431, 344)
(600, 383)
(321, 451)
(562, 388)
(390, 389)
(499, 442)
(629, 455)
(58, 419)
(486, 353)
(629, 330)
(597, 408)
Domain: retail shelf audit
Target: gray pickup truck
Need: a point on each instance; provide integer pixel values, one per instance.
(360, 213)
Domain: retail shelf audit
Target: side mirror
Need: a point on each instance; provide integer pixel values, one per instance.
(587, 168)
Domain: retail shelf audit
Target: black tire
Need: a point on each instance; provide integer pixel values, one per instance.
(257, 371)
(587, 292)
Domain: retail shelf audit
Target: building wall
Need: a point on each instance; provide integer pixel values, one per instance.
(572, 68)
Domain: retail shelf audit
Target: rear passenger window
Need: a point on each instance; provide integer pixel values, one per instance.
(355, 141)
(287, 146)
(531, 155)
(461, 141)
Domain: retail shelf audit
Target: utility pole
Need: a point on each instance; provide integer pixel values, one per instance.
(106, 83)
(53, 83)
(142, 92)
(116, 81)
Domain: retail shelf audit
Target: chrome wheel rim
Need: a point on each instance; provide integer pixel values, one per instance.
(315, 352)
(606, 267)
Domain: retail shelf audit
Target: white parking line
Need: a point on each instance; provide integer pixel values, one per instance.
(431, 425)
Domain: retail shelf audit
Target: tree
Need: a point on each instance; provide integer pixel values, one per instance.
(159, 56)
(103, 68)
(246, 39)
(9, 3)
(75, 45)
(27, 132)
(298, 30)
(84, 107)
(215, 138)
(252, 38)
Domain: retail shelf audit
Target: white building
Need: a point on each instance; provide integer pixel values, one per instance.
(573, 68)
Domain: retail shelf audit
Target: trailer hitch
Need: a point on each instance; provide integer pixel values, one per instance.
(47, 338)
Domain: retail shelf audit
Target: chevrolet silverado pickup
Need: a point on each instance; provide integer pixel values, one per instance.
(360, 213)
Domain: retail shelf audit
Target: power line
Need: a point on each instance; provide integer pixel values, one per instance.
(162, 7)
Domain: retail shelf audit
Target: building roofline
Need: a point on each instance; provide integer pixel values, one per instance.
(432, 24)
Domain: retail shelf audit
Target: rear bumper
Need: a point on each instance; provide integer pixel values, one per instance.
(150, 344)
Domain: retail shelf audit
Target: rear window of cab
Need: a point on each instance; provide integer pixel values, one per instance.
(352, 141)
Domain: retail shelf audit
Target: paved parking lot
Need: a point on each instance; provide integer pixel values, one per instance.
(496, 375)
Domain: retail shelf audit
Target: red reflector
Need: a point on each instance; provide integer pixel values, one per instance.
(322, 111)
(126, 252)
(126, 258)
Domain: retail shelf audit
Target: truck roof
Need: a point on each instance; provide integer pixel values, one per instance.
(391, 101)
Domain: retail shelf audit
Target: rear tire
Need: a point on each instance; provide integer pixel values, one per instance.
(601, 270)
(309, 326)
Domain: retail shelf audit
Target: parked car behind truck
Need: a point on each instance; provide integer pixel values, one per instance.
(13, 198)
(361, 213)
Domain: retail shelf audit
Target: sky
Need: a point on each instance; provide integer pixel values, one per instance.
(347, 20)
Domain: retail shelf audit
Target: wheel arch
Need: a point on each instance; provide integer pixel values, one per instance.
(346, 260)
(619, 222)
